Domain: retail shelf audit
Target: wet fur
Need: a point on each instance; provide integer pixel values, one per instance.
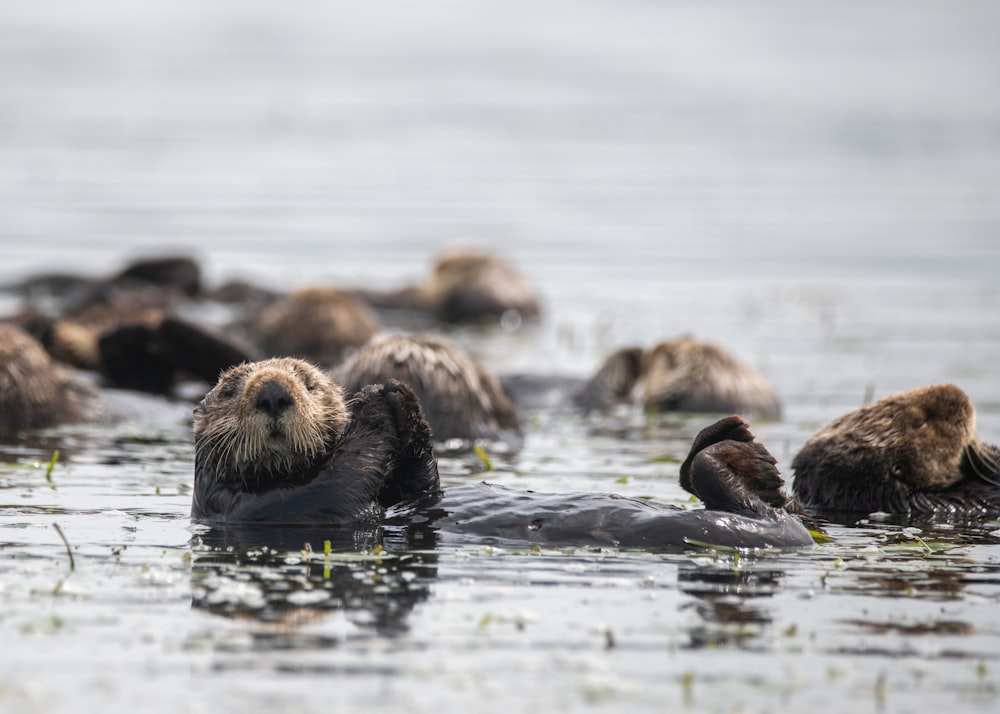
(735, 477)
(322, 460)
(459, 397)
(315, 323)
(910, 453)
(382, 460)
(686, 375)
(729, 470)
(681, 375)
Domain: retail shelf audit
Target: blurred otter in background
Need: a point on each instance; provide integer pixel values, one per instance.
(314, 323)
(681, 375)
(124, 326)
(465, 286)
(36, 392)
(460, 399)
(159, 282)
(915, 453)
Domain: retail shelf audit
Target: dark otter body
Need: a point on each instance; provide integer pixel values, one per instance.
(460, 399)
(155, 357)
(169, 276)
(681, 375)
(124, 327)
(275, 443)
(915, 453)
(485, 513)
(146, 351)
(734, 476)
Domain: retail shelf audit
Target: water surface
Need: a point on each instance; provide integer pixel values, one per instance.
(817, 190)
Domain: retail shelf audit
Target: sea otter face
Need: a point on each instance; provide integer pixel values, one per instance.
(268, 419)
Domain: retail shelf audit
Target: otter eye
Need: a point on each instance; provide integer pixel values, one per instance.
(227, 393)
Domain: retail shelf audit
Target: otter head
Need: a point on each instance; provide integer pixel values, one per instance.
(893, 455)
(268, 420)
(936, 423)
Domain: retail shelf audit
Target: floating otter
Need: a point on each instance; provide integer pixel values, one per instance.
(460, 399)
(143, 287)
(915, 453)
(123, 327)
(180, 275)
(681, 375)
(67, 340)
(145, 350)
(277, 443)
(465, 286)
(35, 392)
(154, 357)
(315, 323)
(734, 476)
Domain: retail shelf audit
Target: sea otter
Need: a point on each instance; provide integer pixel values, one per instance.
(460, 399)
(125, 327)
(315, 323)
(734, 476)
(915, 453)
(143, 350)
(35, 392)
(465, 286)
(276, 442)
(159, 279)
(681, 375)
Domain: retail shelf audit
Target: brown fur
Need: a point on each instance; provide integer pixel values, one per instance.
(314, 323)
(729, 469)
(34, 391)
(469, 285)
(76, 340)
(909, 452)
(245, 442)
(688, 375)
(464, 286)
(681, 375)
(275, 442)
(459, 397)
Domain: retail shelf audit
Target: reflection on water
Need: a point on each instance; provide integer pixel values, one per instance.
(286, 591)
(726, 595)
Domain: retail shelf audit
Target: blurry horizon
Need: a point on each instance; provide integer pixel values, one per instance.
(326, 140)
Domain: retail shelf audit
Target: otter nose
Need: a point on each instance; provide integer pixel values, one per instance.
(272, 399)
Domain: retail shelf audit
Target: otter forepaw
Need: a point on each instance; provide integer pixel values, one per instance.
(412, 428)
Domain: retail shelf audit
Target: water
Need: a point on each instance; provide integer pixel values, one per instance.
(815, 189)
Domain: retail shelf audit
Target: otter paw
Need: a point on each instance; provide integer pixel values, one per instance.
(411, 426)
